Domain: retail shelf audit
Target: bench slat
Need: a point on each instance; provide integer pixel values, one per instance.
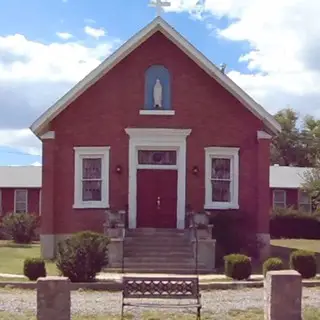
(158, 305)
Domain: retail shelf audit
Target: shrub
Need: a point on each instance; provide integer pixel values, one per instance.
(304, 262)
(291, 223)
(20, 226)
(34, 268)
(237, 266)
(272, 264)
(82, 256)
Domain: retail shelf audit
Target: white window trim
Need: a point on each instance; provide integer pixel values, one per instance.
(15, 199)
(157, 112)
(273, 198)
(304, 203)
(91, 152)
(40, 200)
(233, 155)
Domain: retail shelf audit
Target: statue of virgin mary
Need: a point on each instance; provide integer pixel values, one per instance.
(157, 95)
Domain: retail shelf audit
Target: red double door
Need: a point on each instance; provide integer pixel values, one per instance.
(157, 198)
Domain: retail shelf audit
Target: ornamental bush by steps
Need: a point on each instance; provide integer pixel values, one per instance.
(304, 262)
(237, 266)
(272, 264)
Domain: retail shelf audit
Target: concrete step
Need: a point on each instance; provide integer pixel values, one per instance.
(153, 254)
(157, 259)
(159, 264)
(189, 271)
(158, 252)
(153, 231)
(170, 246)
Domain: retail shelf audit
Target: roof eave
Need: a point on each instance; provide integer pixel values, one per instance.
(157, 24)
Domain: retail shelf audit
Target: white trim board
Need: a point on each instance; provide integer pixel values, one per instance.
(158, 24)
(157, 139)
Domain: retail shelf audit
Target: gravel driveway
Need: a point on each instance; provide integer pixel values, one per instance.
(97, 303)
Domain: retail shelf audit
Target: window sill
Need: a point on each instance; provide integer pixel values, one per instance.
(221, 206)
(90, 206)
(157, 112)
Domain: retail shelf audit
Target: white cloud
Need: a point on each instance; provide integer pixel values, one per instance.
(36, 164)
(33, 75)
(94, 32)
(283, 37)
(64, 35)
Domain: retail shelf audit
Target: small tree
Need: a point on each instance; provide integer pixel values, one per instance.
(312, 185)
(20, 226)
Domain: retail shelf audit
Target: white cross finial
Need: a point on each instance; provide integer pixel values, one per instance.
(159, 5)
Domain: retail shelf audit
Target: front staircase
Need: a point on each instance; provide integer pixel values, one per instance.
(159, 251)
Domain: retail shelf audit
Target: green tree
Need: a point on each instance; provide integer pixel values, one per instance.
(285, 147)
(298, 144)
(312, 186)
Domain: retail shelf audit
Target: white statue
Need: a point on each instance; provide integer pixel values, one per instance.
(157, 95)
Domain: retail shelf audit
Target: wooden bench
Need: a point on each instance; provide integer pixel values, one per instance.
(161, 288)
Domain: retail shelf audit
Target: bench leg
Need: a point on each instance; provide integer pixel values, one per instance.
(122, 311)
(199, 313)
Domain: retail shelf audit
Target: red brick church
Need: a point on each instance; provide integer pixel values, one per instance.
(154, 129)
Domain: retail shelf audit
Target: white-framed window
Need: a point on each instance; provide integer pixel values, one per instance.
(305, 203)
(20, 200)
(91, 180)
(222, 178)
(279, 199)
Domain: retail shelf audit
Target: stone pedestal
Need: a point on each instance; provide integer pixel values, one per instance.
(283, 295)
(206, 252)
(115, 252)
(53, 298)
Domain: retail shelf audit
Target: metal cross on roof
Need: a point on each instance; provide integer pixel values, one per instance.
(159, 5)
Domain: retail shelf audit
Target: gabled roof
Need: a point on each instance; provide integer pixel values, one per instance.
(287, 177)
(20, 177)
(158, 24)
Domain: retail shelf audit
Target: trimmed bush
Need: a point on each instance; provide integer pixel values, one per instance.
(34, 268)
(82, 256)
(20, 226)
(272, 264)
(237, 266)
(304, 262)
(293, 224)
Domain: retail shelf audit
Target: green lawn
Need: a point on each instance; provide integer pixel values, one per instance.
(312, 245)
(12, 257)
(309, 314)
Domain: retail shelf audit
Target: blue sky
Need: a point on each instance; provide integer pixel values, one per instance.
(47, 46)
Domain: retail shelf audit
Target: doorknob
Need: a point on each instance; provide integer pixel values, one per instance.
(158, 202)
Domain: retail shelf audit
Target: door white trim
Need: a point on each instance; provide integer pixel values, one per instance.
(157, 139)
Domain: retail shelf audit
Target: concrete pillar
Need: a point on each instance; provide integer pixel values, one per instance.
(263, 192)
(283, 295)
(47, 238)
(115, 252)
(53, 298)
(206, 252)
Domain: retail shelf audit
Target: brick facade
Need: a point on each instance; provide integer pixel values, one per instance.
(99, 116)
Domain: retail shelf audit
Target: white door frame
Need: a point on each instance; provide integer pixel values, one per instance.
(157, 139)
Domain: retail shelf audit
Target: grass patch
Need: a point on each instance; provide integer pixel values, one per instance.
(304, 244)
(5, 279)
(13, 255)
(253, 314)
